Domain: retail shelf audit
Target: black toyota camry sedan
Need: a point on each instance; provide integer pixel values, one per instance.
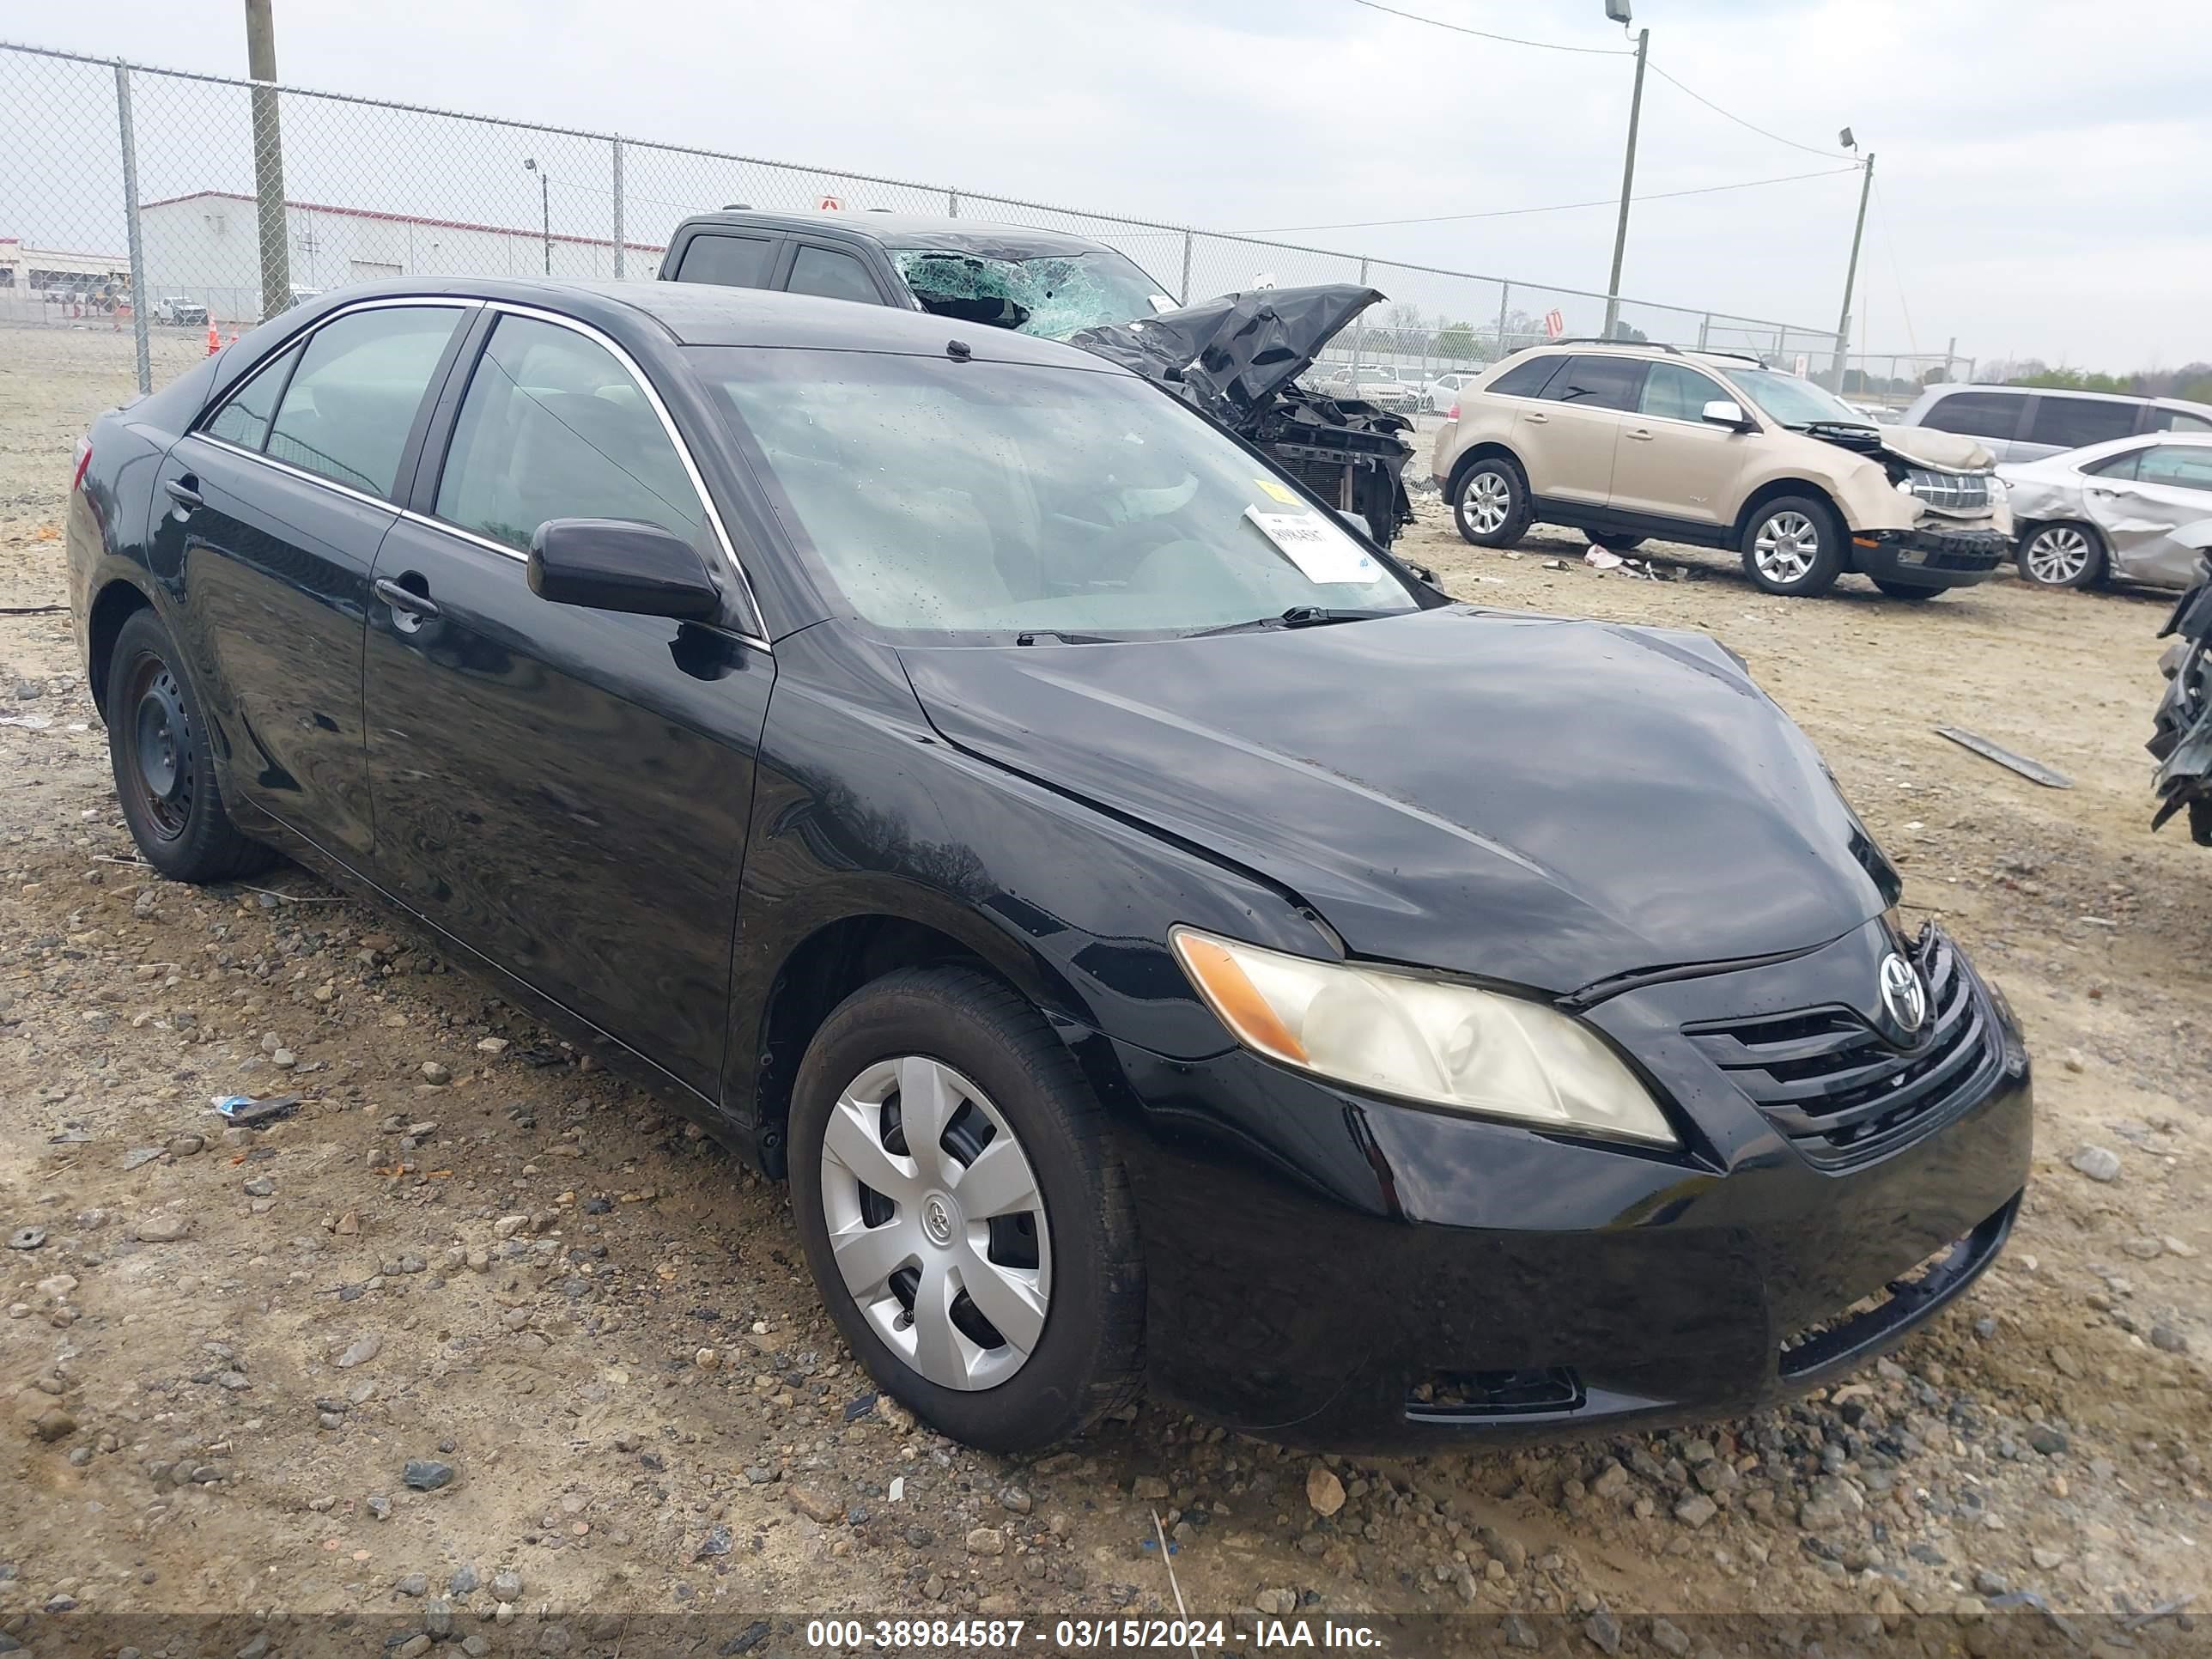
(1159, 936)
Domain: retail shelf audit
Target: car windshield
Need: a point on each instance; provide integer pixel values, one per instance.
(1050, 295)
(945, 498)
(1792, 401)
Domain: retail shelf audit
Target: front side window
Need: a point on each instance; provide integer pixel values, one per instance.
(554, 427)
(2122, 465)
(1052, 294)
(1674, 393)
(948, 498)
(2172, 420)
(832, 275)
(2074, 422)
(244, 420)
(352, 402)
(1598, 383)
(2182, 466)
(1978, 414)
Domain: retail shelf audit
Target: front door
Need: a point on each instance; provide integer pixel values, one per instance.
(564, 790)
(1671, 462)
(271, 512)
(1567, 437)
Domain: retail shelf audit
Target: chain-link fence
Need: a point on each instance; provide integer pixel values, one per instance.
(136, 199)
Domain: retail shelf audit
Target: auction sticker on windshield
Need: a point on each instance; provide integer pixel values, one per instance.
(1322, 554)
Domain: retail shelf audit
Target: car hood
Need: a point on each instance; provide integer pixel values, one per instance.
(1540, 801)
(1923, 446)
(1230, 355)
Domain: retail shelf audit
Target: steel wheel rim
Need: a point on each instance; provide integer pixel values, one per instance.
(936, 1223)
(1785, 547)
(2058, 557)
(1488, 498)
(160, 771)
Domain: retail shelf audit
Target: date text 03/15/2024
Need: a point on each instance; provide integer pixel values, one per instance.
(1071, 1635)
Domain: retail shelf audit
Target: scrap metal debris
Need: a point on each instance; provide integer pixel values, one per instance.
(249, 1113)
(2034, 771)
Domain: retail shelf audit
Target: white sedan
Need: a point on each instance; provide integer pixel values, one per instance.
(1443, 392)
(2113, 509)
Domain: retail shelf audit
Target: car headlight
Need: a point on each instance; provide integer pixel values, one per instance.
(1421, 1039)
(1906, 487)
(1998, 490)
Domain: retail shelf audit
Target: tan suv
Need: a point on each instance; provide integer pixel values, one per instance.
(1631, 441)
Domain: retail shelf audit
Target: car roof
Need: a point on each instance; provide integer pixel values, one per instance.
(709, 314)
(988, 238)
(1642, 351)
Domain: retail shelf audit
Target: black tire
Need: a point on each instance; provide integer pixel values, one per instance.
(156, 733)
(1612, 543)
(2068, 555)
(1504, 486)
(1808, 553)
(1088, 1358)
(1907, 590)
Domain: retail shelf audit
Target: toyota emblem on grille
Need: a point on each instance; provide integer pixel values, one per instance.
(1902, 996)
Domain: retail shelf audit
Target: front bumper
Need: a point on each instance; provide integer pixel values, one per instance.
(1931, 558)
(1337, 1271)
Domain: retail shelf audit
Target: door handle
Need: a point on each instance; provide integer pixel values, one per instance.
(1538, 420)
(1643, 435)
(405, 600)
(181, 491)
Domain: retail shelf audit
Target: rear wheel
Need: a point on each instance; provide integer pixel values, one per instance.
(962, 1212)
(1492, 507)
(1793, 545)
(2062, 555)
(165, 776)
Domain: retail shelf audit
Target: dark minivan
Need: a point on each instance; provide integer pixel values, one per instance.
(952, 768)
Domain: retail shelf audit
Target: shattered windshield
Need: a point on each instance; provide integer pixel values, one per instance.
(1052, 295)
(963, 498)
(1792, 401)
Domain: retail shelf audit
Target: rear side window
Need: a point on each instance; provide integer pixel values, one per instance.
(2184, 466)
(554, 427)
(1676, 393)
(244, 420)
(2071, 422)
(1978, 414)
(732, 261)
(2122, 465)
(1526, 379)
(1599, 383)
(832, 275)
(349, 406)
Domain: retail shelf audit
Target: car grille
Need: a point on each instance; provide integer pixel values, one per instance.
(1955, 492)
(1843, 1093)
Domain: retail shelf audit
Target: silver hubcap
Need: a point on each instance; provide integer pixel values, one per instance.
(1488, 499)
(1785, 547)
(2058, 556)
(936, 1222)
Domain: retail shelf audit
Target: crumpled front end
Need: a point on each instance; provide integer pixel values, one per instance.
(1237, 359)
(2181, 736)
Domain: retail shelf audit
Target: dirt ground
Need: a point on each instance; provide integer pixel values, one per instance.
(222, 1348)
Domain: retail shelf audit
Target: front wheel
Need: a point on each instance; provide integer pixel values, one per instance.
(2062, 555)
(962, 1212)
(1491, 507)
(1793, 545)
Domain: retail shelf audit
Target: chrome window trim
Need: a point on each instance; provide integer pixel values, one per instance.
(667, 425)
(299, 472)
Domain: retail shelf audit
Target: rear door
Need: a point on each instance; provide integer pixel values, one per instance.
(2139, 498)
(564, 790)
(1673, 462)
(270, 512)
(1566, 438)
(730, 259)
(2057, 422)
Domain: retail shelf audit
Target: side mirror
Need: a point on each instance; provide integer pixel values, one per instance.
(1726, 412)
(612, 564)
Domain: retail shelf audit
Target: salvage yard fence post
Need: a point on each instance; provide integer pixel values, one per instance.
(142, 348)
(618, 147)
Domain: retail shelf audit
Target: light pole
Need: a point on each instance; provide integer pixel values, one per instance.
(544, 207)
(1618, 11)
(1851, 270)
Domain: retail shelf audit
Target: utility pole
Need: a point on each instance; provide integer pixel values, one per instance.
(1851, 270)
(1628, 183)
(268, 158)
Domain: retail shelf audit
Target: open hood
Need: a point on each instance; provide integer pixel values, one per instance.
(1923, 446)
(1230, 355)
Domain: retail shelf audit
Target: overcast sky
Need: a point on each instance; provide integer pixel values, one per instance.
(2032, 188)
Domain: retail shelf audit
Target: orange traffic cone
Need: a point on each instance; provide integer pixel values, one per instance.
(214, 340)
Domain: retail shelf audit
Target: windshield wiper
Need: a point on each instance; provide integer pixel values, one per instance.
(1299, 615)
(1031, 636)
